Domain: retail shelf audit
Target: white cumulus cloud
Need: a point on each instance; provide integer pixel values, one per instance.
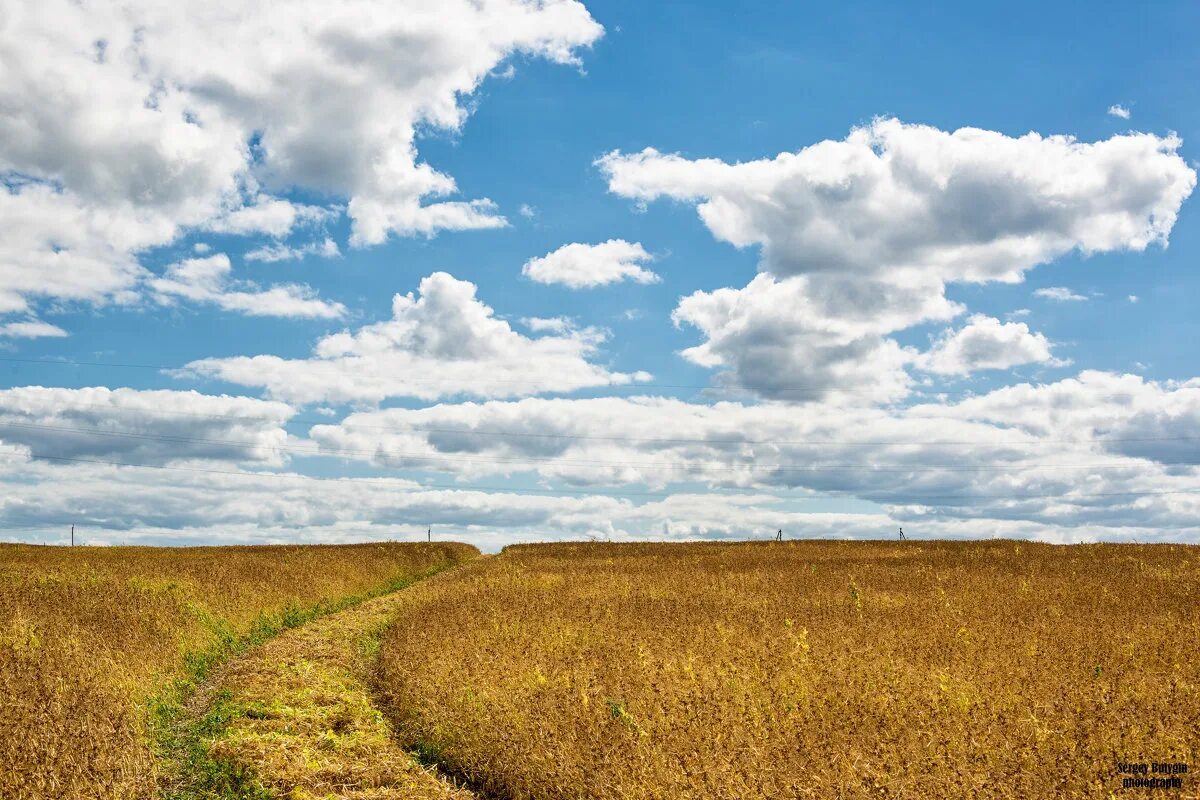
(986, 343)
(123, 125)
(967, 205)
(879, 223)
(585, 266)
(1059, 294)
(442, 341)
(806, 339)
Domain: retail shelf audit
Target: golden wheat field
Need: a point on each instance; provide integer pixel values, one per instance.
(803, 669)
(91, 638)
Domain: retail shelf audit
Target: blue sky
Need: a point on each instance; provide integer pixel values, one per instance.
(881, 354)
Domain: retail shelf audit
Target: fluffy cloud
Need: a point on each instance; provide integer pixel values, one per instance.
(1059, 294)
(443, 342)
(54, 244)
(986, 343)
(206, 280)
(585, 266)
(1118, 110)
(968, 205)
(892, 214)
(145, 427)
(125, 123)
(805, 339)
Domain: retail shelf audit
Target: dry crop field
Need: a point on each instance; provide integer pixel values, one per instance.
(803, 669)
(88, 636)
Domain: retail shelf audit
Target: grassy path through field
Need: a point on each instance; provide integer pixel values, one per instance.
(293, 718)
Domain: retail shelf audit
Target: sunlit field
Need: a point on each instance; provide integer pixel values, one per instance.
(805, 669)
(94, 640)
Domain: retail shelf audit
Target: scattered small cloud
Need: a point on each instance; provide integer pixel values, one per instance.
(1059, 294)
(201, 248)
(1020, 312)
(30, 329)
(547, 324)
(1118, 110)
(505, 74)
(281, 252)
(1133, 298)
(208, 280)
(527, 211)
(586, 266)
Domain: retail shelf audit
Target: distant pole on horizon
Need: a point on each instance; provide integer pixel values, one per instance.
(902, 534)
(429, 535)
(72, 536)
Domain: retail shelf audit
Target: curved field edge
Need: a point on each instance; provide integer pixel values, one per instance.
(994, 669)
(185, 727)
(95, 641)
(295, 718)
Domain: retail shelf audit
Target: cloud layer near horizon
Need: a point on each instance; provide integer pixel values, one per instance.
(1098, 455)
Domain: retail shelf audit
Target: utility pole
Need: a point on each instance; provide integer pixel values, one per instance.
(72, 536)
(429, 535)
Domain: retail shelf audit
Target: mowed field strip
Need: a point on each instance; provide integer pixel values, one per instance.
(294, 717)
